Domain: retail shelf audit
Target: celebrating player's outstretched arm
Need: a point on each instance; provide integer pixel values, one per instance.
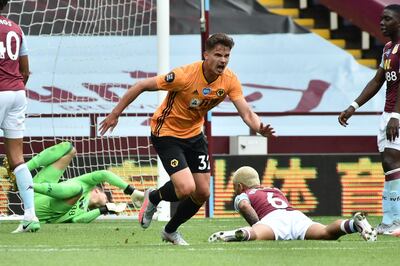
(110, 122)
(251, 119)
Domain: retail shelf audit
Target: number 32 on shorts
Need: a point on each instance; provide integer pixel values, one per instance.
(204, 162)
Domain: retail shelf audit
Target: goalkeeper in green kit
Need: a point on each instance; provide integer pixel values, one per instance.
(76, 200)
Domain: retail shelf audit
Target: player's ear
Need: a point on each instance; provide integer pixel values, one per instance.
(205, 55)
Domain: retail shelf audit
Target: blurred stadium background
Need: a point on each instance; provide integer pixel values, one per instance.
(300, 62)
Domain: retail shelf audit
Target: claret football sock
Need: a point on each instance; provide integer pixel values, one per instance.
(348, 226)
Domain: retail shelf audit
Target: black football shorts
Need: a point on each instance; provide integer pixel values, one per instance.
(177, 154)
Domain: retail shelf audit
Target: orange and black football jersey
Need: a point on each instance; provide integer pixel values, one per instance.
(189, 98)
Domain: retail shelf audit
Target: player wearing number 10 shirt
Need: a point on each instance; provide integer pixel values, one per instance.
(388, 135)
(176, 130)
(14, 73)
(271, 216)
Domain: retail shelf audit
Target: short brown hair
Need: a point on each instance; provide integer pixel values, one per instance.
(219, 38)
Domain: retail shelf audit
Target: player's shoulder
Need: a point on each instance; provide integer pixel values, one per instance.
(7, 21)
(195, 66)
(10, 23)
(387, 45)
(188, 70)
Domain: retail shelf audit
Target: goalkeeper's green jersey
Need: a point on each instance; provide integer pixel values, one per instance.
(51, 210)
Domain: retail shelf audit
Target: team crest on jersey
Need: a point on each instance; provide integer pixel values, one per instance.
(194, 102)
(174, 163)
(169, 77)
(206, 91)
(220, 92)
(395, 49)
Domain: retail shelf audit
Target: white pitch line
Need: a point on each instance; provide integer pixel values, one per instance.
(169, 248)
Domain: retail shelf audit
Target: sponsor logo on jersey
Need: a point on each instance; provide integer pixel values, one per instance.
(206, 91)
(395, 49)
(5, 22)
(220, 92)
(194, 102)
(170, 77)
(174, 163)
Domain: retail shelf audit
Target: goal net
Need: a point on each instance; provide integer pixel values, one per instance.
(84, 54)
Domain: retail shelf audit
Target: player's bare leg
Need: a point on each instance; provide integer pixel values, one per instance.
(256, 232)
(339, 228)
(325, 232)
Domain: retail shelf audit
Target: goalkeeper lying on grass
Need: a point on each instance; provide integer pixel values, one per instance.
(76, 200)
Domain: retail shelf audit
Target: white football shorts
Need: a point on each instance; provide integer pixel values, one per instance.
(12, 113)
(287, 225)
(381, 138)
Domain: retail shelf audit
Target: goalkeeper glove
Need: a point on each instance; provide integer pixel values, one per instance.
(115, 207)
(137, 198)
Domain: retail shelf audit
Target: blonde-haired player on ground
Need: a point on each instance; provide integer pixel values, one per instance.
(271, 217)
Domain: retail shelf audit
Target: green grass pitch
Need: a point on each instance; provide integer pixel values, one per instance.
(125, 243)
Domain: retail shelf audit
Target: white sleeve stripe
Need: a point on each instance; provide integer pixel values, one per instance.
(24, 48)
(238, 199)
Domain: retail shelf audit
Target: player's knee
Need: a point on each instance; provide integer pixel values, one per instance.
(72, 152)
(202, 195)
(185, 190)
(70, 155)
(100, 173)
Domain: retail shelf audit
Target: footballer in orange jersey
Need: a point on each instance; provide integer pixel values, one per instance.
(176, 129)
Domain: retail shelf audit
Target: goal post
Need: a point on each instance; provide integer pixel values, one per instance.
(164, 207)
(84, 55)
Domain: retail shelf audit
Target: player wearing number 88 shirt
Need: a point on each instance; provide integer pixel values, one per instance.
(14, 73)
(176, 129)
(388, 134)
(271, 216)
